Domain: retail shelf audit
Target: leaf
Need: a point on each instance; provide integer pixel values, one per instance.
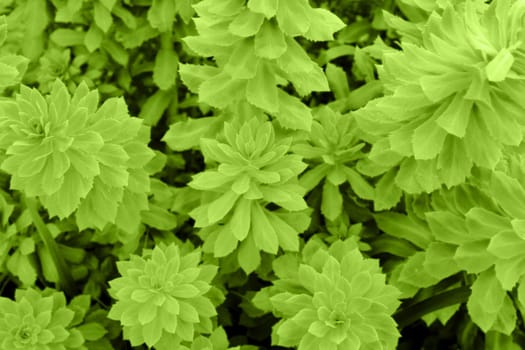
(93, 38)
(243, 63)
(506, 244)
(263, 232)
(155, 106)
(486, 300)
(403, 226)
(269, 41)
(165, 68)
(265, 7)
(225, 243)
(509, 271)
(293, 114)
(186, 134)
(454, 165)
(3, 29)
(194, 75)
(159, 218)
(240, 222)
(262, 91)
(456, 116)
(116, 51)
(439, 260)
(509, 194)
(338, 81)
(332, 201)
(293, 17)
(499, 67)
(387, 194)
(287, 235)
(323, 25)
(360, 186)
(246, 24)
(102, 17)
(427, 140)
(474, 257)
(67, 37)
(92, 331)
(449, 227)
(415, 274)
(221, 91)
(128, 213)
(248, 255)
(486, 153)
(221, 206)
(161, 14)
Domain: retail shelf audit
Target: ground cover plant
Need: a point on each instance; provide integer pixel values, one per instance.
(262, 174)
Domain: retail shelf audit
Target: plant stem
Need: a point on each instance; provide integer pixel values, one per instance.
(65, 279)
(410, 314)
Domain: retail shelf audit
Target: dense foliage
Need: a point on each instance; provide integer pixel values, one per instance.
(262, 174)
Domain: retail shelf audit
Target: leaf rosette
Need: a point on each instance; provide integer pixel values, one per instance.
(331, 299)
(76, 157)
(254, 169)
(459, 84)
(38, 321)
(162, 297)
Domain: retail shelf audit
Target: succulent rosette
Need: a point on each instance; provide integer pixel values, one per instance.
(162, 297)
(332, 298)
(38, 321)
(254, 169)
(460, 84)
(255, 50)
(333, 148)
(76, 157)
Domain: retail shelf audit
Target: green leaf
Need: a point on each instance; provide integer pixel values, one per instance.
(287, 235)
(225, 243)
(265, 7)
(92, 331)
(116, 51)
(161, 14)
(509, 194)
(498, 341)
(67, 37)
(243, 63)
(323, 25)
(194, 75)
(248, 255)
(221, 206)
(3, 29)
(506, 244)
(269, 41)
(360, 186)
(128, 214)
(159, 218)
(486, 153)
(165, 68)
(456, 116)
(221, 90)
(240, 221)
(47, 264)
(473, 256)
(439, 260)
(332, 201)
(155, 106)
(93, 38)
(403, 226)
(246, 24)
(387, 193)
(263, 232)
(184, 135)
(338, 81)
(448, 227)
(414, 273)
(427, 140)
(262, 91)
(293, 114)
(486, 300)
(102, 17)
(293, 17)
(499, 67)
(509, 271)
